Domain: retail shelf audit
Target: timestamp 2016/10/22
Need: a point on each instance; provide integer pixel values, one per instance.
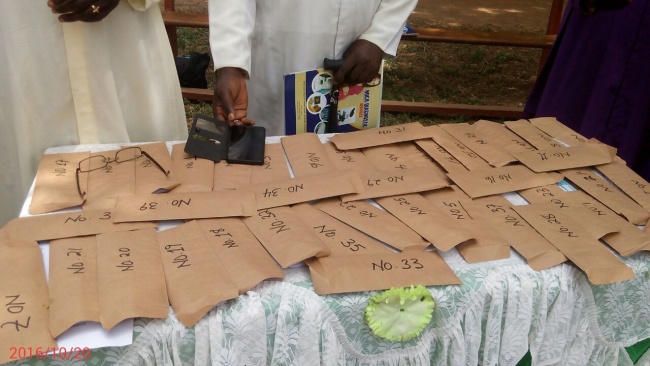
(63, 353)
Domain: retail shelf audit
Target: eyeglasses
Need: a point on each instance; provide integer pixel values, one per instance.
(98, 162)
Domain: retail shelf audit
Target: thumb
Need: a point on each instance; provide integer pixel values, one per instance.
(341, 73)
(222, 105)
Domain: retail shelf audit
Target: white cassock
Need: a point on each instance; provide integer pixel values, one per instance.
(113, 81)
(271, 38)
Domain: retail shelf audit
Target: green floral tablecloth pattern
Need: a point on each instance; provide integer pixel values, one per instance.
(502, 310)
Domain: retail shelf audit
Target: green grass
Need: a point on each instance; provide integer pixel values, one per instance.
(195, 40)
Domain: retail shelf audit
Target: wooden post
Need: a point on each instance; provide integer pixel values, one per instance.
(554, 21)
(171, 29)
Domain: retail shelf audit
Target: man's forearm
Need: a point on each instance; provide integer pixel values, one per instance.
(387, 24)
(231, 31)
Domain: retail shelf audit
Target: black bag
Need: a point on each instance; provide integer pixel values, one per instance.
(191, 70)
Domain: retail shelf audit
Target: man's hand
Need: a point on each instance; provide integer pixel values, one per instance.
(230, 101)
(361, 63)
(82, 10)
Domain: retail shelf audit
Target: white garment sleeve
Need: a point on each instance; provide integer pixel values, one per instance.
(388, 23)
(231, 31)
(143, 5)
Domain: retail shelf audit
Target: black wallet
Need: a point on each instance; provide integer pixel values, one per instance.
(214, 139)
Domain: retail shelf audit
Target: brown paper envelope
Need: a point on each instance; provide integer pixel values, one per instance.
(339, 237)
(353, 159)
(608, 194)
(231, 176)
(304, 189)
(56, 183)
(400, 156)
(194, 174)
(306, 155)
(426, 220)
(368, 272)
(24, 318)
(487, 149)
(73, 283)
(618, 233)
(539, 253)
(105, 185)
(440, 155)
(488, 244)
(572, 239)
(467, 157)
(554, 128)
(68, 225)
(319, 276)
(393, 157)
(196, 279)
(541, 194)
(596, 224)
(479, 183)
(558, 158)
(419, 157)
(628, 239)
(456, 190)
(379, 136)
(383, 184)
(546, 259)
(628, 181)
(274, 167)
(599, 226)
(148, 177)
(185, 205)
(373, 221)
(287, 238)
(533, 135)
(240, 253)
(612, 150)
(497, 134)
(476, 250)
(130, 278)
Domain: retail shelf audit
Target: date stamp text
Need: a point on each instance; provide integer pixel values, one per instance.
(62, 353)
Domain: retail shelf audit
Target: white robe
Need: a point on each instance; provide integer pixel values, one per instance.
(271, 38)
(75, 83)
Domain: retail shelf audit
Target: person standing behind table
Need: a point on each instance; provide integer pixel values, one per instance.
(105, 73)
(597, 77)
(266, 39)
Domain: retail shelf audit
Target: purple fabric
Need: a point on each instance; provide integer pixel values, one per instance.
(597, 80)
